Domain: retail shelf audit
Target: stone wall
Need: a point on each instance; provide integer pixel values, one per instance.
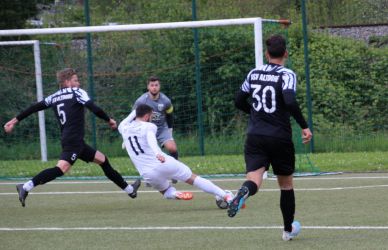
(359, 32)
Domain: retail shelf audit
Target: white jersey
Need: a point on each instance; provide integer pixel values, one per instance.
(140, 142)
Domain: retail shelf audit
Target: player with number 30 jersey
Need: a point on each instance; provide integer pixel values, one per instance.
(268, 96)
(269, 115)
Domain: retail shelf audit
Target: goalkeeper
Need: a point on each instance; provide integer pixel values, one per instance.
(161, 115)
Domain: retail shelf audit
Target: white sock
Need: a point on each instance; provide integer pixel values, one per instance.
(28, 186)
(129, 189)
(170, 193)
(208, 186)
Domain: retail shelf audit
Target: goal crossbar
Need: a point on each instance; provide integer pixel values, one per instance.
(257, 30)
(138, 27)
(256, 22)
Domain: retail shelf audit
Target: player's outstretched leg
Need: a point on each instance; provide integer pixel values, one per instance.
(209, 187)
(173, 194)
(184, 196)
(22, 194)
(296, 227)
(135, 185)
(238, 201)
(113, 175)
(248, 188)
(43, 177)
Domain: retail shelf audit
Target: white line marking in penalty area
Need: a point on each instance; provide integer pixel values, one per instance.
(99, 182)
(199, 191)
(186, 228)
(5, 182)
(339, 188)
(339, 178)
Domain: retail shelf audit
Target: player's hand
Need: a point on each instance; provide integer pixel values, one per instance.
(8, 127)
(112, 124)
(160, 158)
(306, 135)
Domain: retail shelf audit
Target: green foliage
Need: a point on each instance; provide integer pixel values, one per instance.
(14, 13)
(348, 84)
(378, 41)
(346, 12)
(348, 79)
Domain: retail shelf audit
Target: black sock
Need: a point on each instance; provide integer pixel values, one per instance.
(47, 175)
(113, 175)
(252, 187)
(174, 154)
(287, 205)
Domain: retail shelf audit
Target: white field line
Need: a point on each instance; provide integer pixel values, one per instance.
(198, 191)
(189, 228)
(213, 180)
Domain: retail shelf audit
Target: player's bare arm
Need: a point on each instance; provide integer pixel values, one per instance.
(8, 127)
(112, 124)
(306, 135)
(161, 158)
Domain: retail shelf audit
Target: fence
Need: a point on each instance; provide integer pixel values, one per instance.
(227, 55)
(348, 79)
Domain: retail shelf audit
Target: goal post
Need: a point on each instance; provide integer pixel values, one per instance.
(257, 30)
(39, 89)
(124, 56)
(256, 22)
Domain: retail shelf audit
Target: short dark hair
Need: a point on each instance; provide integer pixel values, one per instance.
(142, 110)
(153, 79)
(276, 46)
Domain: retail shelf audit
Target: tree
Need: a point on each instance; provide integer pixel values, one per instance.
(14, 13)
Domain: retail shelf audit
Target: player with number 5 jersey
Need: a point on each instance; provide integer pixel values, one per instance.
(68, 105)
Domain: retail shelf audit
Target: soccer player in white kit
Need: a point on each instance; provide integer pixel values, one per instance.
(156, 167)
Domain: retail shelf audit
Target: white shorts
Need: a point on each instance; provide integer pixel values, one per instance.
(159, 176)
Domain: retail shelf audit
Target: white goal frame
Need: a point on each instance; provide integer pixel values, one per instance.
(39, 90)
(257, 30)
(255, 21)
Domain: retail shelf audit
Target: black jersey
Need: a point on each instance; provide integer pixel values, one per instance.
(68, 105)
(269, 114)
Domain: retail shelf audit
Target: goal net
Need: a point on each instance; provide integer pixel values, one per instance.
(209, 131)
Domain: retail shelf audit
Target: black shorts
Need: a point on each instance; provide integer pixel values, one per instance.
(82, 151)
(262, 151)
